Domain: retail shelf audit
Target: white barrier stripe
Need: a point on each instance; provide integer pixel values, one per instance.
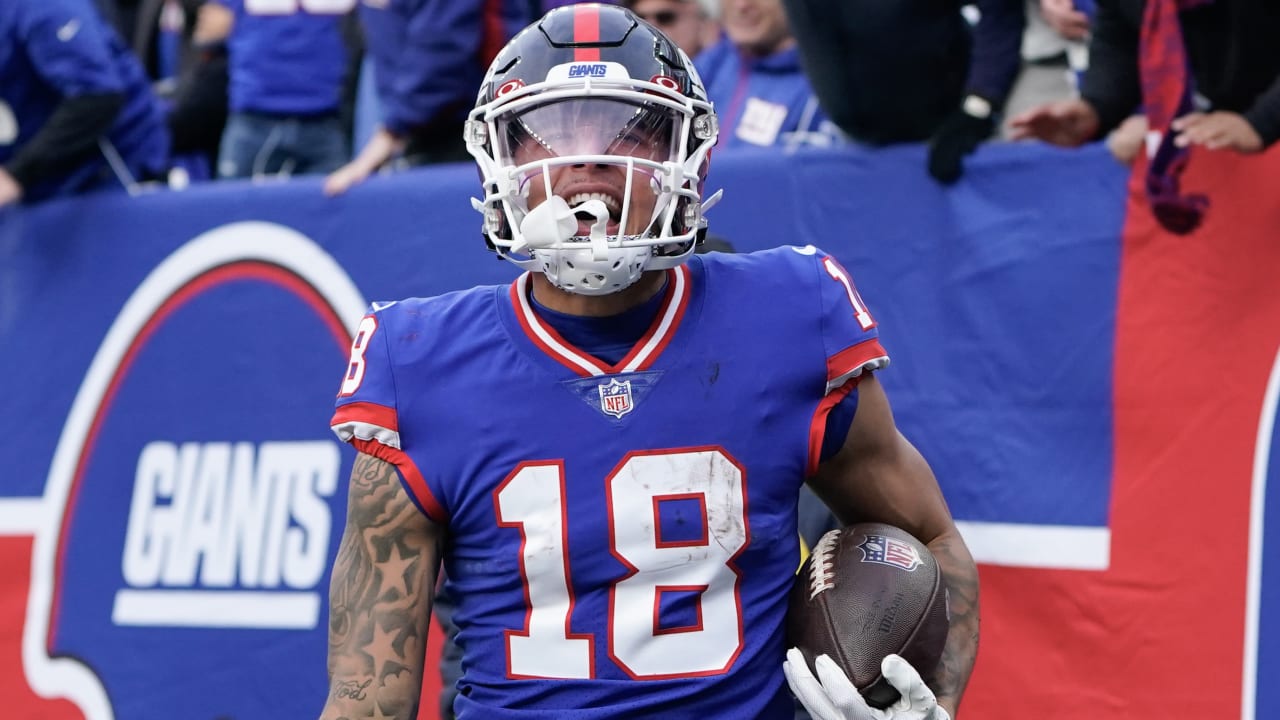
(1060, 547)
(217, 608)
(21, 516)
(1257, 518)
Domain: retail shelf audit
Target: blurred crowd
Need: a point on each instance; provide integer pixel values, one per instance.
(139, 94)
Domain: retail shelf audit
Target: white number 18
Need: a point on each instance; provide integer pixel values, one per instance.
(532, 499)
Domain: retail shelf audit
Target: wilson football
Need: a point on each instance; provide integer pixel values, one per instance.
(866, 591)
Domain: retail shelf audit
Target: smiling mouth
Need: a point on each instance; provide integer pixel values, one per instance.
(585, 220)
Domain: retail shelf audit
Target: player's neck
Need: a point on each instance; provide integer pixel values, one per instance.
(553, 298)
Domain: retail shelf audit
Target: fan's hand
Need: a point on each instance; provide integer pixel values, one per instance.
(958, 136)
(1218, 131)
(832, 696)
(1068, 123)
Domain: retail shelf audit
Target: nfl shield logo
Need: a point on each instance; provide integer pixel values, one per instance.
(889, 551)
(615, 397)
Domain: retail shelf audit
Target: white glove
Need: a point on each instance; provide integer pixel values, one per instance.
(835, 698)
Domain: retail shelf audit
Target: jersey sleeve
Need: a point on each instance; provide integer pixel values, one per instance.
(850, 336)
(366, 414)
(851, 346)
(70, 48)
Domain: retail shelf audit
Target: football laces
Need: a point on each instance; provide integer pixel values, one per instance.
(822, 564)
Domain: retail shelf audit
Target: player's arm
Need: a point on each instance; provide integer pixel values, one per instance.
(878, 475)
(380, 598)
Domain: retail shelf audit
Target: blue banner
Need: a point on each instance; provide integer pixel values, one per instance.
(172, 361)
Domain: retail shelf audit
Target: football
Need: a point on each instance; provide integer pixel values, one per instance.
(866, 591)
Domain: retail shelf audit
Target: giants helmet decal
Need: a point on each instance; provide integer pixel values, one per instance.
(592, 85)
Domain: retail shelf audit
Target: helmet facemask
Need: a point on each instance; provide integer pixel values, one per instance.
(592, 180)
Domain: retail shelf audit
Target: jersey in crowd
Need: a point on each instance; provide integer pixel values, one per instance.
(762, 101)
(54, 49)
(430, 56)
(286, 58)
(622, 538)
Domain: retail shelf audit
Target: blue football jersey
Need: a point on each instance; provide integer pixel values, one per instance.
(286, 57)
(622, 538)
(53, 49)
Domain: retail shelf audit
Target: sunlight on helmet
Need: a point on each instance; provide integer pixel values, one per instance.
(590, 127)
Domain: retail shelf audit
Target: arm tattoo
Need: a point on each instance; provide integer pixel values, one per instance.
(379, 598)
(961, 576)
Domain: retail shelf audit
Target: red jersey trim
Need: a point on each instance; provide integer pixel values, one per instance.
(818, 427)
(850, 362)
(410, 477)
(643, 354)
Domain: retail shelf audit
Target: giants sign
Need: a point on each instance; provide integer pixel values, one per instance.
(1097, 398)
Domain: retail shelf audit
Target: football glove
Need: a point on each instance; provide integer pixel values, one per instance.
(832, 696)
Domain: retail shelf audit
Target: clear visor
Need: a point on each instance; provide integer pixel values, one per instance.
(590, 126)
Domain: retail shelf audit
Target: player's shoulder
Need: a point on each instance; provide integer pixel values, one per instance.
(428, 330)
(778, 282)
(785, 262)
(436, 309)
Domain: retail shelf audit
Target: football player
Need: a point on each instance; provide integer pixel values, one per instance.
(607, 453)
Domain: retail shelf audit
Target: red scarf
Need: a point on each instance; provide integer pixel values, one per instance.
(1167, 94)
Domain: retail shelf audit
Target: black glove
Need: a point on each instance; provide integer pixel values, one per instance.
(957, 136)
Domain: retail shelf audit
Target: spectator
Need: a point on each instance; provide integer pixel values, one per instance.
(163, 37)
(754, 79)
(428, 57)
(198, 105)
(76, 110)
(118, 18)
(903, 71)
(691, 24)
(1055, 52)
(287, 66)
(1230, 99)
(188, 75)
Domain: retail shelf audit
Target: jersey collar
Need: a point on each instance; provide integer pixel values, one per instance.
(643, 354)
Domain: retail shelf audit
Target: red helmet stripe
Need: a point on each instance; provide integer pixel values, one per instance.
(586, 29)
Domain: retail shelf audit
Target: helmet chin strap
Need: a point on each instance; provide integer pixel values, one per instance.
(553, 222)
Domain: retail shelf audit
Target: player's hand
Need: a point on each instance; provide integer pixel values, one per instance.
(10, 190)
(832, 696)
(1217, 131)
(1067, 122)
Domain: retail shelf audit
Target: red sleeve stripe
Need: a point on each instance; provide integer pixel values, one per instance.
(850, 362)
(818, 428)
(586, 29)
(410, 477)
